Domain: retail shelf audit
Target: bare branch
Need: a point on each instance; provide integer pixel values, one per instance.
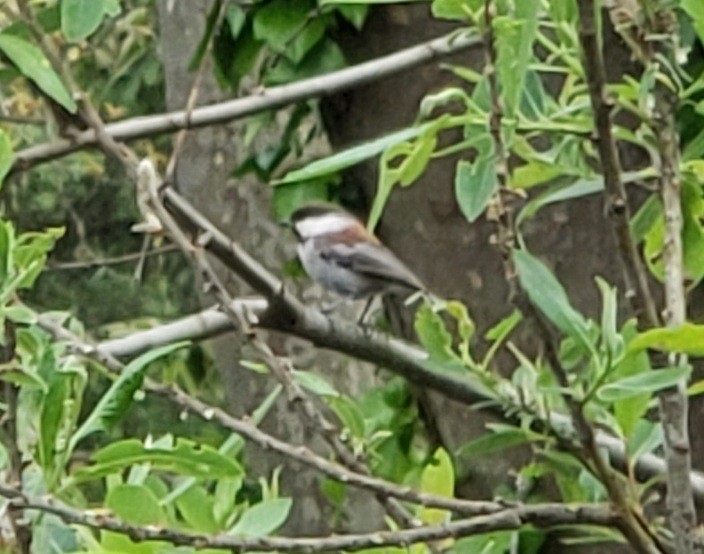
(674, 405)
(250, 432)
(540, 515)
(213, 321)
(616, 197)
(266, 99)
(114, 260)
(8, 428)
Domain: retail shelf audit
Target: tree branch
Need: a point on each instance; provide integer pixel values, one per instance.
(674, 405)
(213, 321)
(616, 197)
(281, 368)
(265, 441)
(114, 260)
(8, 427)
(540, 515)
(266, 99)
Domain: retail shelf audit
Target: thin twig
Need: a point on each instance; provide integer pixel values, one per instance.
(19, 120)
(267, 442)
(193, 96)
(539, 515)
(20, 525)
(264, 100)
(505, 233)
(636, 276)
(148, 186)
(682, 516)
(114, 260)
(212, 322)
(634, 526)
(280, 367)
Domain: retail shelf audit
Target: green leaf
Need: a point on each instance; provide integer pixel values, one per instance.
(113, 7)
(455, 9)
(465, 326)
(651, 381)
(646, 217)
(33, 65)
(226, 490)
(352, 156)
(433, 335)
(535, 172)
(696, 389)
(4, 457)
(349, 414)
(692, 232)
(629, 411)
(324, 57)
(206, 37)
(692, 229)
(560, 193)
(388, 177)
(6, 155)
(235, 56)
(263, 518)
(54, 411)
(475, 182)
(197, 508)
(546, 292)
(498, 542)
(80, 18)
(355, 14)
(685, 339)
(314, 383)
(514, 41)
(504, 327)
(7, 250)
(369, 2)
(609, 334)
(417, 160)
(184, 458)
(645, 438)
(502, 437)
(114, 403)
(134, 504)
(287, 27)
(695, 10)
(20, 314)
(438, 478)
(287, 198)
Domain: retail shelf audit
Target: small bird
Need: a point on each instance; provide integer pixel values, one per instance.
(338, 252)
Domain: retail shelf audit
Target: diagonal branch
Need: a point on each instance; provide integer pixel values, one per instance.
(539, 515)
(262, 439)
(261, 101)
(281, 368)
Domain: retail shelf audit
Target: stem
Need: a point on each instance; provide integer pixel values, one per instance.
(682, 517)
(635, 274)
(264, 100)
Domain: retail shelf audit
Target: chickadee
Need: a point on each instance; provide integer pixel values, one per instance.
(338, 252)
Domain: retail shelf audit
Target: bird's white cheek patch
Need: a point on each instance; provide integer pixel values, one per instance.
(322, 225)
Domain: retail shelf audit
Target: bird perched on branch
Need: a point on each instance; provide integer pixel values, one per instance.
(338, 252)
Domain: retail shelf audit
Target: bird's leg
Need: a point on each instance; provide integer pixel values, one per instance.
(365, 311)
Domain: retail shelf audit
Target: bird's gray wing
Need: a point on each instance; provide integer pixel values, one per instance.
(374, 261)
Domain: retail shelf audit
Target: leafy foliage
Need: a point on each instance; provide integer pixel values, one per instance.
(198, 482)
